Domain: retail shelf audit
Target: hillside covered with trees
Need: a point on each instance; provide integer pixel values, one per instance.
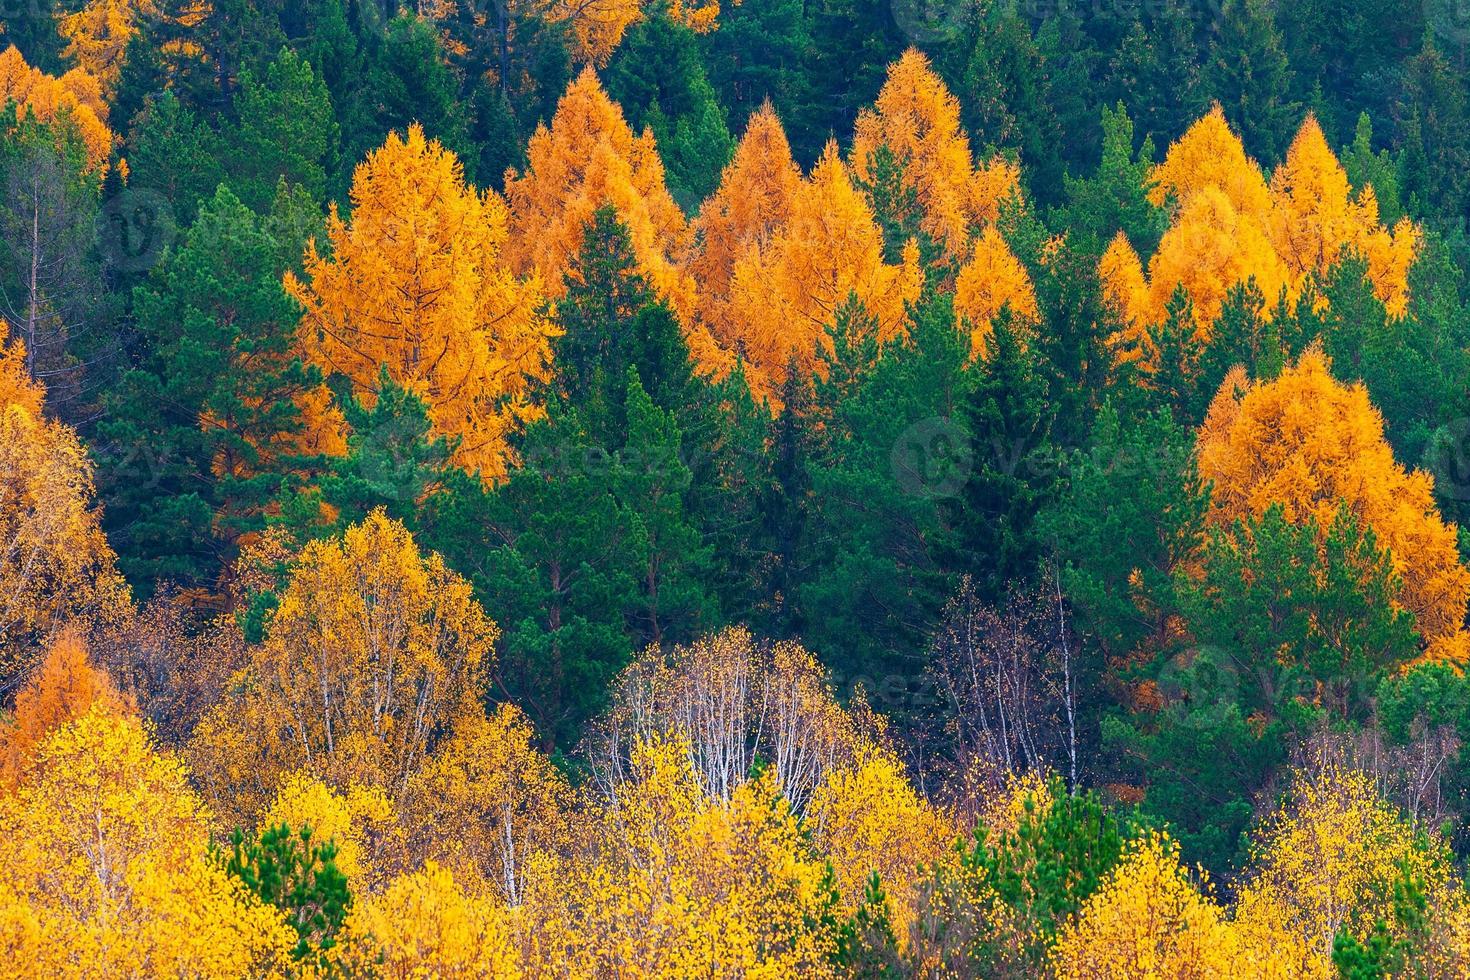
(830, 488)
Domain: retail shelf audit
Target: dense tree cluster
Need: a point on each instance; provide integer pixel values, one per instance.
(833, 488)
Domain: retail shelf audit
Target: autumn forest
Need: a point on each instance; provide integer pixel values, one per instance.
(758, 488)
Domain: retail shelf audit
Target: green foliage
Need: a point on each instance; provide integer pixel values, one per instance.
(286, 132)
(891, 449)
(1384, 953)
(1049, 866)
(209, 415)
(1115, 198)
(285, 868)
(867, 946)
(1131, 515)
(991, 519)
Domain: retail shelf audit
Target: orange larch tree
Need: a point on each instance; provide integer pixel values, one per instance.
(1307, 442)
(757, 191)
(97, 35)
(1315, 217)
(990, 280)
(918, 120)
(417, 282)
(786, 294)
(1229, 226)
(588, 159)
(62, 688)
(73, 97)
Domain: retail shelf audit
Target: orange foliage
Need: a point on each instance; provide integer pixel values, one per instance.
(1314, 218)
(598, 26)
(64, 687)
(1230, 226)
(97, 36)
(1125, 289)
(589, 159)
(785, 294)
(991, 280)
(756, 194)
(73, 97)
(1306, 442)
(416, 283)
(918, 120)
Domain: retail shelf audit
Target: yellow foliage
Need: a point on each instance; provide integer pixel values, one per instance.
(1148, 921)
(425, 925)
(1327, 861)
(350, 820)
(488, 799)
(55, 562)
(587, 160)
(990, 281)
(105, 873)
(675, 884)
(372, 653)
(417, 283)
(590, 158)
(1307, 442)
(1314, 218)
(867, 818)
(1209, 155)
(63, 688)
(785, 293)
(73, 97)
(1212, 246)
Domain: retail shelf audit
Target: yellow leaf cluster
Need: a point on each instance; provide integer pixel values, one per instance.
(757, 191)
(427, 925)
(1147, 921)
(588, 159)
(1308, 443)
(418, 282)
(673, 883)
(372, 653)
(1327, 861)
(55, 562)
(868, 818)
(488, 801)
(351, 820)
(73, 97)
(103, 870)
(992, 279)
